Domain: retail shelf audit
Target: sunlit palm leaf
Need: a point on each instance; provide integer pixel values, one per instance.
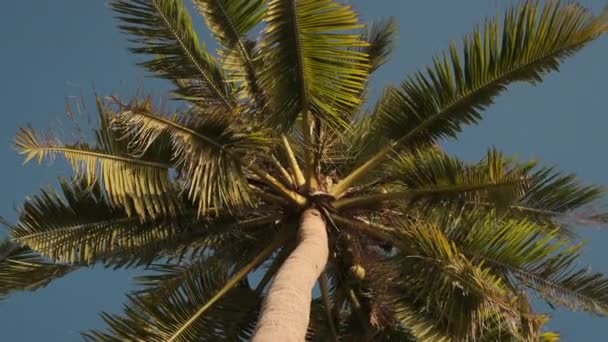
(435, 104)
(139, 185)
(533, 41)
(209, 152)
(163, 29)
(314, 64)
(22, 269)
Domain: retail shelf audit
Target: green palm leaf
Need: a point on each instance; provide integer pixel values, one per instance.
(533, 41)
(22, 269)
(557, 196)
(314, 65)
(229, 21)
(536, 258)
(435, 104)
(429, 178)
(209, 149)
(163, 29)
(157, 320)
(381, 36)
(430, 276)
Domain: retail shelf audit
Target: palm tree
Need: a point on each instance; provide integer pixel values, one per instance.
(274, 176)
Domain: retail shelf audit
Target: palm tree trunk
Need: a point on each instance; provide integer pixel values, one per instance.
(286, 309)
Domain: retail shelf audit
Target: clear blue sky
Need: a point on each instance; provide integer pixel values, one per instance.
(54, 49)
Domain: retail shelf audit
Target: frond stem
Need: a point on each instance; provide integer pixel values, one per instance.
(293, 161)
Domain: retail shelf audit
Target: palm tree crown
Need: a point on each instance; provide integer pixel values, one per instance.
(422, 246)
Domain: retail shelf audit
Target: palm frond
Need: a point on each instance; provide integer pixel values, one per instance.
(381, 35)
(84, 228)
(313, 64)
(229, 22)
(533, 41)
(163, 29)
(555, 196)
(528, 254)
(209, 153)
(208, 288)
(430, 178)
(23, 270)
(435, 104)
(141, 185)
(429, 277)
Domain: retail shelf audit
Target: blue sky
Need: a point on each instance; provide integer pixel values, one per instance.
(70, 48)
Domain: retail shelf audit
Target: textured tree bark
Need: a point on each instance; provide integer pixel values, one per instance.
(286, 310)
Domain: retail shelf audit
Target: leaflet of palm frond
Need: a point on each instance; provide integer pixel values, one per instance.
(139, 184)
(454, 91)
(163, 29)
(157, 320)
(314, 65)
(21, 269)
(429, 278)
(209, 153)
(431, 178)
(529, 254)
(559, 197)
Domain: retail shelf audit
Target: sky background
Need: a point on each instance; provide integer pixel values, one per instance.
(53, 50)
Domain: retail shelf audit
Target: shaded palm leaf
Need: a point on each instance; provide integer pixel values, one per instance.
(163, 29)
(314, 65)
(562, 197)
(381, 35)
(22, 269)
(229, 21)
(157, 320)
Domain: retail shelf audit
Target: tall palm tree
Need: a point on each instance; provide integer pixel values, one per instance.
(275, 177)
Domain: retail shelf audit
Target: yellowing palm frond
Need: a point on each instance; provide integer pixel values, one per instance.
(209, 149)
(139, 185)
